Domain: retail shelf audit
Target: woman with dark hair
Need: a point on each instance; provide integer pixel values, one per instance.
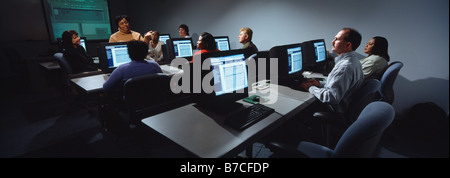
(183, 30)
(125, 33)
(377, 60)
(75, 54)
(154, 46)
(206, 43)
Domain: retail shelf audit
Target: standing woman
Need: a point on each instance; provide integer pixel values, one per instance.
(377, 60)
(75, 54)
(154, 46)
(125, 33)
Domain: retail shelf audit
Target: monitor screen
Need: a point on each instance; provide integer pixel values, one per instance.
(116, 54)
(228, 79)
(222, 43)
(164, 37)
(320, 51)
(182, 47)
(290, 60)
(88, 18)
(294, 59)
(83, 43)
(61, 47)
(229, 73)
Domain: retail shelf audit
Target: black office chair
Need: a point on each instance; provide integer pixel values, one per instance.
(148, 95)
(340, 121)
(14, 75)
(68, 91)
(165, 52)
(359, 140)
(386, 91)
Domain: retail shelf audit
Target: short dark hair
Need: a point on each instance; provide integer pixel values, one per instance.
(354, 37)
(118, 18)
(137, 50)
(67, 38)
(208, 39)
(185, 27)
(380, 47)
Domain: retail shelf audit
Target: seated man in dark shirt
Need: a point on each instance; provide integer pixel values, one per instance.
(138, 66)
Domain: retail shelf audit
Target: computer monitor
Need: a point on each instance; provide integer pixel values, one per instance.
(83, 43)
(222, 43)
(180, 48)
(164, 37)
(315, 55)
(112, 55)
(290, 63)
(61, 46)
(229, 79)
(320, 51)
(294, 59)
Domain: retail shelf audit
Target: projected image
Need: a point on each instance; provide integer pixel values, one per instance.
(89, 18)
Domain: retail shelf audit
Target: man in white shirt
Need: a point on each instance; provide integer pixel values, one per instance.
(345, 78)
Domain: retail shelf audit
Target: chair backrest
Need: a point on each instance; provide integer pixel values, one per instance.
(386, 90)
(144, 95)
(165, 53)
(362, 137)
(66, 70)
(361, 98)
(63, 63)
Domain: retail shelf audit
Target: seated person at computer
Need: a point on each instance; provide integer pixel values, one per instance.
(377, 60)
(154, 46)
(137, 50)
(125, 33)
(75, 54)
(183, 30)
(245, 37)
(345, 78)
(205, 44)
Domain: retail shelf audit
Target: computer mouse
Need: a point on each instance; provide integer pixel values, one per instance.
(255, 99)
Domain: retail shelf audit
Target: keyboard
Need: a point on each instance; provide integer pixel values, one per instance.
(247, 117)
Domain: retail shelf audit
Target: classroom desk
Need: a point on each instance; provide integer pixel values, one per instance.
(204, 134)
(287, 101)
(95, 83)
(52, 65)
(92, 83)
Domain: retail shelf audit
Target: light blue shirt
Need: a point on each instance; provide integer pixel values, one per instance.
(345, 78)
(130, 70)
